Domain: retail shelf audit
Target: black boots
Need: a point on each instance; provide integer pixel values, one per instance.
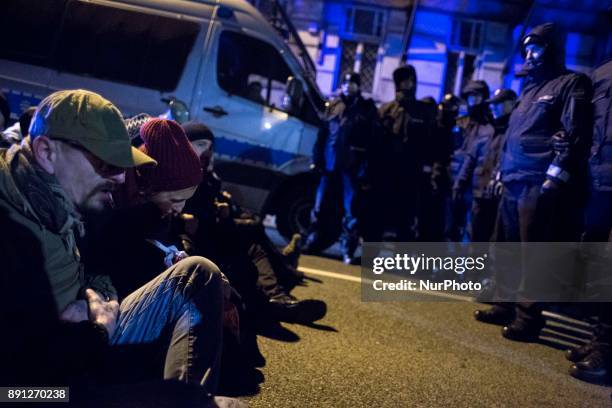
(497, 314)
(523, 330)
(594, 368)
(287, 308)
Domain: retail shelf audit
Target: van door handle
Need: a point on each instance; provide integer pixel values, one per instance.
(216, 111)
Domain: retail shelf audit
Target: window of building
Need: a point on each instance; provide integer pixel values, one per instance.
(364, 21)
(251, 68)
(459, 71)
(467, 34)
(99, 41)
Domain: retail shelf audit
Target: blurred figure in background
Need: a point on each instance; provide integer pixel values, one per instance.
(435, 177)
(481, 162)
(406, 122)
(474, 126)
(341, 154)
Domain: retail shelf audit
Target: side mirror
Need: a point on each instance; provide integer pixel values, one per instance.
(294, 95)
(177, 110)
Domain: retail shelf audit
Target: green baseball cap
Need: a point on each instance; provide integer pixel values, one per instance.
(89, 120)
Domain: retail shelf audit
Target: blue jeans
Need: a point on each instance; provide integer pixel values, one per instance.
(330, 185)
(183, 309)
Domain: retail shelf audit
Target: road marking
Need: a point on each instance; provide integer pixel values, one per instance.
(357, 279)
(330, 274)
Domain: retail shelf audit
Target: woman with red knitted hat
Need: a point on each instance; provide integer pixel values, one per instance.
(139, 242)
(178, 172)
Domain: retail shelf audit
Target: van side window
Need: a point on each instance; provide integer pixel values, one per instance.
(99, 41)
(252, 69)
(29, 29)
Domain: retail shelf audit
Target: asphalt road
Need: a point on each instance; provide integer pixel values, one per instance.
(407, 354)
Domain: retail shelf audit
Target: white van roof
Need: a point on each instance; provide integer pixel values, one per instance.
(204, 9)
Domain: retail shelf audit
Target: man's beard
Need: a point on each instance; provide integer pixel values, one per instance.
(532, 66)
(107, 205)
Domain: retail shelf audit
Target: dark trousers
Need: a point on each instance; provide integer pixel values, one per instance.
(528, 215)
(273, 271)
(598, 227)
(400, 193)
(330, 185)
(432, 211)
(484, 214)
(457, 216)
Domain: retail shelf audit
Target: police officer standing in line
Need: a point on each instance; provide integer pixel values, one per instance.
(481, 162)
(593, 361)
(541, 200)
(435, 185)
(477, 130)
(341, 154)
(406, 123)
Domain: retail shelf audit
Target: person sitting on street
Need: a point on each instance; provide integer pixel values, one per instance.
(236, 239)
(75, 157)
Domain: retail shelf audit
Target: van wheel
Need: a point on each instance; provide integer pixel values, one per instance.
(293, 216)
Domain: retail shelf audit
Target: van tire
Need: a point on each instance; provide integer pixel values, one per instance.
(293, 216)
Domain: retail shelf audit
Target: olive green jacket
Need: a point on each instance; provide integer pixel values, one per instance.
(33, 199)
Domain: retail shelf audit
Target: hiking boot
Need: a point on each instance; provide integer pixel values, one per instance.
(495, 315)
(287, 308)
(293, 250)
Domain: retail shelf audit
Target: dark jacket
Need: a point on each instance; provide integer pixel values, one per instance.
(118, 242)
(494, 148)
(344, 142)
(40, 274)
(553, 100)
(600, 161)
(480, 136)
(407, 127)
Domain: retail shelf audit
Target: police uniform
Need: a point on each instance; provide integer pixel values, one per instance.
(554, 101)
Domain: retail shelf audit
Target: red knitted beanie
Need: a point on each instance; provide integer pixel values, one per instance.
(178, 166)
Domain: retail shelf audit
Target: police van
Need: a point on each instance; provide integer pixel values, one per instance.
(217, 61)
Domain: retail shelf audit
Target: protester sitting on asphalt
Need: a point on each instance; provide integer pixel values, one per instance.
(66, 324)
(226, 233)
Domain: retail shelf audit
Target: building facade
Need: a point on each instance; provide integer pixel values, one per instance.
(448, 41)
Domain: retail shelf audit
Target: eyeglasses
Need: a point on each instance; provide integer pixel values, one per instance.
(101, 167)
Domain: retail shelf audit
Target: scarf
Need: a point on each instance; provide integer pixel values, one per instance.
(42, 195)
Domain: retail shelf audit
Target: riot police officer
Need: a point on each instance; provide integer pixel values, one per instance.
(341, 154)
(406, 123)
(593, 362)
(481, 162)
(476, 130)
(435, 185)
(542, 189)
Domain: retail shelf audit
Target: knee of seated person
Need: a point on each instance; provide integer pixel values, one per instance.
(197, 270)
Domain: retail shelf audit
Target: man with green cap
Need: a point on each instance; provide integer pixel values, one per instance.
(60, 324)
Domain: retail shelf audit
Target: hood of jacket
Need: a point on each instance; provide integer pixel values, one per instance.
(554, 56)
